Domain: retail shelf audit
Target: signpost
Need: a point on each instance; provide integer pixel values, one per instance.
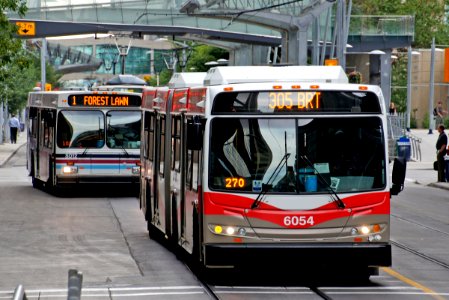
(26, 28)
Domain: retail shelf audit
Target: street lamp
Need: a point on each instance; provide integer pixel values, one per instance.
(175, 58)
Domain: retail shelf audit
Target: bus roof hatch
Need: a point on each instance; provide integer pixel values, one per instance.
(188, 79)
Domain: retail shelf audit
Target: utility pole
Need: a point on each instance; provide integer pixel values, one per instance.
(432, 85)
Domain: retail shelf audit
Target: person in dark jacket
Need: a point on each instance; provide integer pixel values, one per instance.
(441, 151)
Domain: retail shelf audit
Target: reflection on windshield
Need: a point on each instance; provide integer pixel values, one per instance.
(80, 129)
(347, 153)
(123, 129)
(86, 129)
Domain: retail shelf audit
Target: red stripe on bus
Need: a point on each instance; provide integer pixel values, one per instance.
(96, 161)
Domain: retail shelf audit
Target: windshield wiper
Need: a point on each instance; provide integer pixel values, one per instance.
(267, 186)
(332, 192)
(123, 148)
(84, 152)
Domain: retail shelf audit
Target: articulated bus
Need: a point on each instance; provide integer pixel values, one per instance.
(270, 164)
(83, 137)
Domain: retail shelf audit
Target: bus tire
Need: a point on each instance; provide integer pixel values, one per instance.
(148, 209)
(49, 185)
(35, 182)
(195, 256)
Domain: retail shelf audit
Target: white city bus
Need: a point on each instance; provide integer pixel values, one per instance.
(79, 137)
(261, 164)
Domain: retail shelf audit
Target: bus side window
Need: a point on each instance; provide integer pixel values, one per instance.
(193, 169)
(176, 143)
(162, 146)
(151, 133)
(42, 132)
(146, 128)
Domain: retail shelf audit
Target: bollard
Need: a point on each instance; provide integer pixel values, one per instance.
(19, 293)
(75, 285)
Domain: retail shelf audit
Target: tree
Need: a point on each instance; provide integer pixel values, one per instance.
(399, 81)
(21, 80)
(430, 21)
(203, 54)
(13, 59)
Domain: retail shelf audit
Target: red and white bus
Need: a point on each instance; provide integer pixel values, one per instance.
(281, 164)
(83, 137)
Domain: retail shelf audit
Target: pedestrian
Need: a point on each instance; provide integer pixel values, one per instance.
(439, 114)
(14, 126)
(441, 152)
(392, 109)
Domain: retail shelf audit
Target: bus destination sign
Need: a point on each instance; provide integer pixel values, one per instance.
(108, 100)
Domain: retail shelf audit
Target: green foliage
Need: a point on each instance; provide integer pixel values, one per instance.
(164, 78)
(426, 121)
(399, 82)
(446, 122)
(13, 59)
(413, 123)
(196, 63)
(355, 77)
(429, 16)
(21, 79)
(203, 54)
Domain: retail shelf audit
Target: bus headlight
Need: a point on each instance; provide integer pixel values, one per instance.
(69, 170)
(372, 231)
(236, 231)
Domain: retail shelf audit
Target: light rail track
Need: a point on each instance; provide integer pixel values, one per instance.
(417, 252)
(213, 291)
(420, 225)
(420, 254)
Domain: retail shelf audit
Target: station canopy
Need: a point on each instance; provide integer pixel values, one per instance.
(223, 16)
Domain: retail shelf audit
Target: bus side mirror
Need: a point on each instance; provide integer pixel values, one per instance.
(194, 134)
(398, 175)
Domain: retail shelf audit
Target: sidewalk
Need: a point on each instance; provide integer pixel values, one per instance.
(419, 172)
(7, 149)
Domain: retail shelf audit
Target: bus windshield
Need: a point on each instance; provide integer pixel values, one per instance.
(296, 155)
(86, 129)
(80, 129)
(123, 130)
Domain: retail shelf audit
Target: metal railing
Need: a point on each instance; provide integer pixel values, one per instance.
(396, 130)
(382, 25)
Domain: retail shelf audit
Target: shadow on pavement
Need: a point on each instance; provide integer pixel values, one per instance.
(292, 275)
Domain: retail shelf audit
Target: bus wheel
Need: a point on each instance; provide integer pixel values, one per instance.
(36, 182)
(148, 209)
(195, 256)
(152, 230)
(49, 185)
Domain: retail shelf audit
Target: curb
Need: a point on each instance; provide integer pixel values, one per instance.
(11, 155)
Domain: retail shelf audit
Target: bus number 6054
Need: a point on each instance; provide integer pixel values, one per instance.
(298, 221)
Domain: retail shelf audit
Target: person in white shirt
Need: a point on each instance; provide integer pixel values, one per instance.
(14, 125)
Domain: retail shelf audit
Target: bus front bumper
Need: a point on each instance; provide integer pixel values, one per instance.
(341, 254)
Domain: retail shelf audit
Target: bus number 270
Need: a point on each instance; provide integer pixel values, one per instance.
(298, 221)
